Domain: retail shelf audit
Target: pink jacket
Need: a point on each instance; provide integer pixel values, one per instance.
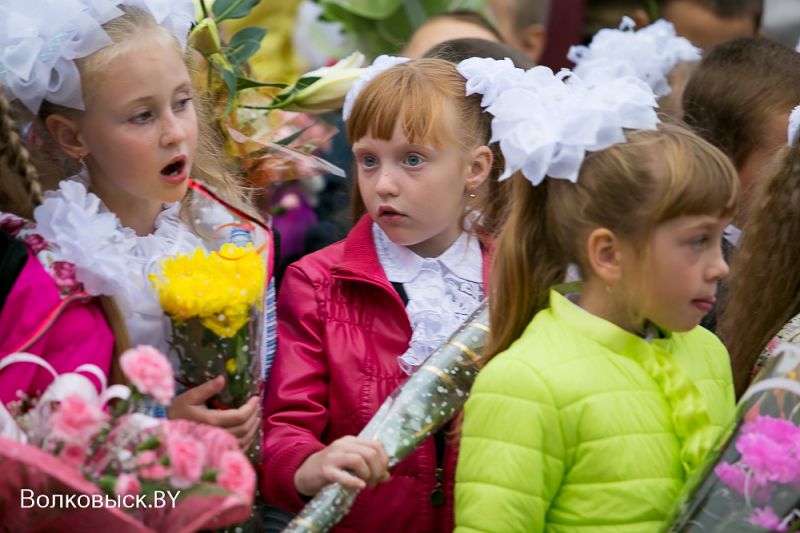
(341, 328)
(79, 334)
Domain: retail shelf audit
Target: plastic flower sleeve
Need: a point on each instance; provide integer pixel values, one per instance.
(414, 412)
(752, 482)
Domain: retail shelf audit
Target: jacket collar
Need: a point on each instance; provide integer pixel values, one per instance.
(361, 258)
(601, 331)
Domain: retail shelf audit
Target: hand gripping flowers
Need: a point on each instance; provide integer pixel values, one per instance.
(415, 411)
(215, 303)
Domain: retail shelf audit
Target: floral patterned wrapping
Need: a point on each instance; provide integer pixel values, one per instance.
(752, 481)
(414, 412)
(790, 333)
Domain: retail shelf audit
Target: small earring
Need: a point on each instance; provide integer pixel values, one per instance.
(473, 195)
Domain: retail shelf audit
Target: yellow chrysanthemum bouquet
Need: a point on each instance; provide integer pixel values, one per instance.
(215, 301)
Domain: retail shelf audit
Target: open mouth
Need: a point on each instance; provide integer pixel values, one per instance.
(386, 210)
(175, 167)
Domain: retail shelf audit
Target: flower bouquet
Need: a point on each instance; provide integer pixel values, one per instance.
(414, 412)
(65, 457)
(753, 483)
(215, 302)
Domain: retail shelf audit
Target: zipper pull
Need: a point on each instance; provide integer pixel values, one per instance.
(437, 494)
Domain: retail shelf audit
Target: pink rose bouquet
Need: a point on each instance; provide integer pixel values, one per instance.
(68, 441)
(752, 483)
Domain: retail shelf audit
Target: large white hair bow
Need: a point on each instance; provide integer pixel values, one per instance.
(545, 123)
(40, 41)
(650, 54)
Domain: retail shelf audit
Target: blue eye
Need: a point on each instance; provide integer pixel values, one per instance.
(183, 103)
(369, 161)
(413, 160)
(141, 118)
(701, 242)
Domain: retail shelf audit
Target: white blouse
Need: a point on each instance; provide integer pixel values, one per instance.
(111, 259)
(442, 291)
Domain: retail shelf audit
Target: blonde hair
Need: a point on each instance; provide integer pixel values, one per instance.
(629, 189)
(765, 280)
(427, 98)
(126, 32)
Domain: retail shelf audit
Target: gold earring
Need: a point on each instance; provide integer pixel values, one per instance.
(473, 195)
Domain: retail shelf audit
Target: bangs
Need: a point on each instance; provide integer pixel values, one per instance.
(699, 180)
(423, 110)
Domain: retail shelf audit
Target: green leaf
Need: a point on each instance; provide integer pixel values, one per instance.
(228, 76)
(287, 140)
(150, 444)
(232, 9)
(285, 97)
(246, 83)
(244, 44)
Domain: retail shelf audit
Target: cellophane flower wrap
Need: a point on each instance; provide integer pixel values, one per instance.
(415, 411)
(215, 302)
(752, 482)
(71, 441)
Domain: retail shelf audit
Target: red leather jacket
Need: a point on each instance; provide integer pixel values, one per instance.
(341, 328)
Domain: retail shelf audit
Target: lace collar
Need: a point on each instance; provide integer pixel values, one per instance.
(402, 265)
(442, 291)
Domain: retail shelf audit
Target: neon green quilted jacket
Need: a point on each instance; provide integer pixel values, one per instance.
(580, 426)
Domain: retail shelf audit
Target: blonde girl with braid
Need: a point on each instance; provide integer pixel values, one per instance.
(111, 92)
(31, 289)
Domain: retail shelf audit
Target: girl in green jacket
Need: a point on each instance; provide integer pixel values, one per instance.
(596, 405)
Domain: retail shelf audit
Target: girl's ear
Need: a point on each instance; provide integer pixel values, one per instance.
(67, 135)
(480, 166)
(604, 255)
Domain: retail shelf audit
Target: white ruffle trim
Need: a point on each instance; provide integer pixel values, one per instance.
(112, 260)
(442, 291)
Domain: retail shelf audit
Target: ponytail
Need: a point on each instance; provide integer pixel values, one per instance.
(527, 262)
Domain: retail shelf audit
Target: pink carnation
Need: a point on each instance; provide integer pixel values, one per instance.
(770, 460)
(74, 455)
(150, 372)
(737, 480)
(767, 519)
(777, 429)
(127, 484)
(236, 474)
(186, 459)
(77, 420)
(150, 467)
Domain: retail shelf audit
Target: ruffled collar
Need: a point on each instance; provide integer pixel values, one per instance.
(402, 265)
(109, 258)
(690, 415)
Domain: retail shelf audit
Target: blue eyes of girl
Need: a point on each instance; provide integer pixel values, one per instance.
(411, 160)
(700, 242)
(145, 116)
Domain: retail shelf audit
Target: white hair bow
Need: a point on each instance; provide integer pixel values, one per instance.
(40, 41)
